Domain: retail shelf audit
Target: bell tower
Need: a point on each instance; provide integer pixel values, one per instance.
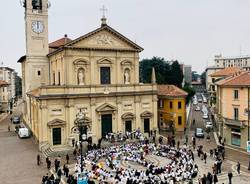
(36, 66)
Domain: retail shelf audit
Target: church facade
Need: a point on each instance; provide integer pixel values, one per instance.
(97, 73)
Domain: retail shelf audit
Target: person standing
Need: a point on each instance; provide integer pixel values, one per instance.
(38, 159)
(67, 158)
(215, 178)
(238, 168)
(205, 157)
(230, 176)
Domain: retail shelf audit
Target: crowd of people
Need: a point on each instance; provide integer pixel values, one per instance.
(114, 164)
(180, 166)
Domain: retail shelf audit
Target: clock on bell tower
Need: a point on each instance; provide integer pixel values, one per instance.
(36, 33)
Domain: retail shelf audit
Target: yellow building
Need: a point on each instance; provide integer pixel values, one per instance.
(171, 107)
(232, 107)
(97, 73)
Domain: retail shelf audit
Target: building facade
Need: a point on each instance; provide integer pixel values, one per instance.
(217, 76)
(238, 61)
(97, 73)
(3, 95)
(233, 108)
(171, 108)
(9, 94)
(187, 74)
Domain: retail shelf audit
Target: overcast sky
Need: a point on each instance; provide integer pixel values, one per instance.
(191, 31)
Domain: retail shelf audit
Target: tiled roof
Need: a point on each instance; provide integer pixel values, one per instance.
(225, 72)
(34, 92)
(3, 83)
(239, 79)
(171, 91)
(60, 42)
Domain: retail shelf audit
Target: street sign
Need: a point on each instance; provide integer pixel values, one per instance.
(248, 146)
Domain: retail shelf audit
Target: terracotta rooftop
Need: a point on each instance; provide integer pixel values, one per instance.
(34, 92)
(171, 91)
(60, 42)
(239, 79)
(225, 72)
(3, 83)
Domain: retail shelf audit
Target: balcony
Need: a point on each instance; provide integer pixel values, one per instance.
(238, 123)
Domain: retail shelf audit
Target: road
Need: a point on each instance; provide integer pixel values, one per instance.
(231, 156)
(18, 157)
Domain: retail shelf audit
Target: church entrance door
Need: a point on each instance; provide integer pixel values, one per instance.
(57, 139)
(106, 124)
(146, 125)
(128, 126)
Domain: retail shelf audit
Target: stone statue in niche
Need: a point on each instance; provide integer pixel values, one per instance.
(127, 76)
(81, 76)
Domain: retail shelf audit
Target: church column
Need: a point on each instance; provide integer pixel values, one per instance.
(137, 112)
(136, 68)
(119, 73)
(92, 69)
(43, 121)
(68, 126)
(119, 114)
(95, 124)
(154, 125)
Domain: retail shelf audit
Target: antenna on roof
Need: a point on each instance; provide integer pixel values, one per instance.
(240, 51)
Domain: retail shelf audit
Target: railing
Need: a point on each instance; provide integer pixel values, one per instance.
(234, 122)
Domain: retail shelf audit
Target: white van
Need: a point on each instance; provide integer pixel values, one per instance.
(23, 132)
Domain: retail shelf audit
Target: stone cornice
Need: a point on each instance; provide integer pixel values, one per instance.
(94, 95)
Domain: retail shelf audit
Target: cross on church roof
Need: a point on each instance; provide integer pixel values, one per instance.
(103, 9)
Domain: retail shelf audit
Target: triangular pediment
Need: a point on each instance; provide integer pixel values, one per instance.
(56, 122)
(106, 107)
(146, 114)
(104, 38)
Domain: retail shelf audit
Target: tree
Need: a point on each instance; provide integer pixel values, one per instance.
(190, 91)
(176, 74)
(203, 78)
(165, 73)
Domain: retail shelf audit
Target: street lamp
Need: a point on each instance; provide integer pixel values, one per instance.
(81, 127)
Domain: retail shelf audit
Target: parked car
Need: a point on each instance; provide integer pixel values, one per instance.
(199, 133)
(197, 108)
(204, 100)
(23, 132)
(205, 116)
(16, 120)
(209, 124)
(195, 102)
(199, 100)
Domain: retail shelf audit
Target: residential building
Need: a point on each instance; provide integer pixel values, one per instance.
(171, 108)
(234, 61)
(210, 70)
(217, 76)
(97, 73)
(233, 96)
(221, 62)
(187, 74)
(9, 75)
(4, 96)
